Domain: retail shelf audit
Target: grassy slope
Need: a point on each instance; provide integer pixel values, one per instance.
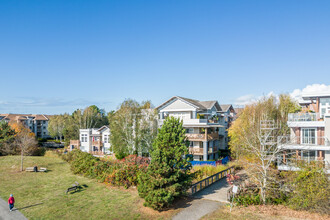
(94, 202)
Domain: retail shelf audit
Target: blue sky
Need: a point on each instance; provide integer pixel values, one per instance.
(56, 56)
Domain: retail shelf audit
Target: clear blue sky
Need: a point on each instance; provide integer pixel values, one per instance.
(56, 56)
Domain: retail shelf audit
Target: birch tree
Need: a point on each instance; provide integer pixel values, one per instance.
(254, 137)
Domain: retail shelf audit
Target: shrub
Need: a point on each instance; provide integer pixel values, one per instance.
(39, 151)
(127, 171)
(311, 190)
(123, 172)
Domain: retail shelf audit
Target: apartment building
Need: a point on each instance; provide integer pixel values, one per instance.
(204, 121)
(38, 124)
(309, 134)
(94, 140)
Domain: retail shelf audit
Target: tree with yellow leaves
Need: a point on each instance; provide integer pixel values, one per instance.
(25, 140)
(254, 136)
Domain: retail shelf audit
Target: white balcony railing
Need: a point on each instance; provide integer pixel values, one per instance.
(295, 163)
(298, 140)
(193, 122)
(303, 116)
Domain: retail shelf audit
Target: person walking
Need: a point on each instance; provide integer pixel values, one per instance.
(11, 202)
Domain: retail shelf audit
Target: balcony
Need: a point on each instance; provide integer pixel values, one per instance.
(213, 150)
(293, 164)
(303, 116)
(99, 153)
(305, 120)
(202, 137)
(299, 142)
(195, 151)
(97, 143)
(213, 136)
(190, 122)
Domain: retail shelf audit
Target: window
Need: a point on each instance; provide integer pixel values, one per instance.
(106, 139)
(308, 135)
(325, 101)
(191, 143)
(83, 137)
(323, 111)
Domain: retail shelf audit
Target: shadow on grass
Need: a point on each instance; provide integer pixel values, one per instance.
(28, 206)
(80, 188)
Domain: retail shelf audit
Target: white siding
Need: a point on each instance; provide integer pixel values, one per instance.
(177, 105)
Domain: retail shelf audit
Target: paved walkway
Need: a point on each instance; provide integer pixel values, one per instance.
(6, 215)
(197, 210)
(215, 192)
(207, 201)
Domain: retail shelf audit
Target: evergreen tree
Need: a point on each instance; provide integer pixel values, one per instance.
(7, 135)
(168, 175)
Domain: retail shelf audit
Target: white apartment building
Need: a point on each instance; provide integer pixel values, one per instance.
(94, 140)
(38, 124)
(204, 122)
(309, 134)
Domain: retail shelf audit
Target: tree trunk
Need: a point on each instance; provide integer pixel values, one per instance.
(21, 158)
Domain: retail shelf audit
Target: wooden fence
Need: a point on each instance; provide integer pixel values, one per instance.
(196, 187)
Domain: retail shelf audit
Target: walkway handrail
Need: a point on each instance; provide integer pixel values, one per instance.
(196, 187)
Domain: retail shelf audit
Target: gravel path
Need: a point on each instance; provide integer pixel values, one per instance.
(6, 215)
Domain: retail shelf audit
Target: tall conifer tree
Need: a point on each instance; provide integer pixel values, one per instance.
(168, 175)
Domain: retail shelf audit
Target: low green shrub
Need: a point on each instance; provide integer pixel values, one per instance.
(311, 189)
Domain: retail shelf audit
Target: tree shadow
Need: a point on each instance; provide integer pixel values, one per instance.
(28, 206)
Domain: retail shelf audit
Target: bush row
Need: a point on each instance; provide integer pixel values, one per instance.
(123, 172)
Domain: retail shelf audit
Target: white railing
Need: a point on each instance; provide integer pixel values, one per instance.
(287, 140)
(303, 116)
(192, 121)
(295, 163)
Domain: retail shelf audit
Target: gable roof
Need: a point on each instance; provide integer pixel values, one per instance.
(226, 107)
(200, 105)
(103, 127)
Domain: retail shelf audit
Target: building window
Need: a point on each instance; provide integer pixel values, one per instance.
(106, 139)
(325, 101)
(83, 137)
(308, 136)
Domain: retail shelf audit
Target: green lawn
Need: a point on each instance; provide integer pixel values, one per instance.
(46, 191)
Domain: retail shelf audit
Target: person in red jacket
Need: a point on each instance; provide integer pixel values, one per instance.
(11, 202)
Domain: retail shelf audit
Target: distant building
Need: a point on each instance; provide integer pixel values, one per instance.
(310, 133)
(205, 123)
(38, 124)
(93, 140)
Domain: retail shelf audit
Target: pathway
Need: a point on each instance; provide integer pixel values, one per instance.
(6, 215)
(207, 201)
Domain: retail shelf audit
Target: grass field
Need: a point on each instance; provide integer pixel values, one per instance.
(267, 212)
(42, 195)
